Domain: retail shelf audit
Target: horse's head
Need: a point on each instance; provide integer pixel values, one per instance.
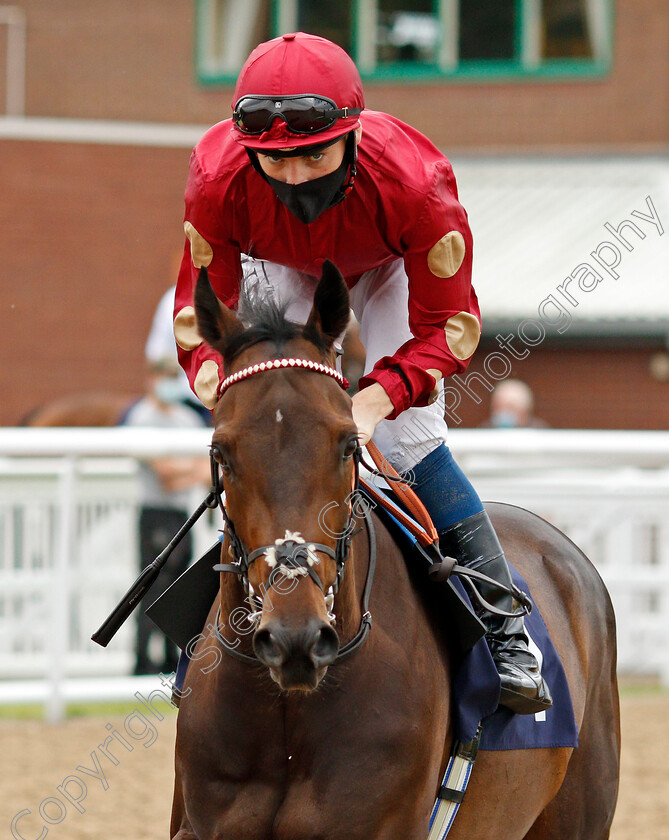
(285, 442)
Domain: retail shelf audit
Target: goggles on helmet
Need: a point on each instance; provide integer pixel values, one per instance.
(303, 114)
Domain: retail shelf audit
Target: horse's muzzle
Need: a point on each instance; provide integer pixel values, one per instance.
(297, 659)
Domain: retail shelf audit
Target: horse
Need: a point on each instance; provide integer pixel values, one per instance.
(287, 739)
(89, 408)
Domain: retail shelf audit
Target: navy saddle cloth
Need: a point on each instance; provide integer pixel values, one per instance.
(476, 694)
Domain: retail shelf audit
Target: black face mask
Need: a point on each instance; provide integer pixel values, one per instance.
(309, 200)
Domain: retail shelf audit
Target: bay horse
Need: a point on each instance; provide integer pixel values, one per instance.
(287, 742)
(88, 408)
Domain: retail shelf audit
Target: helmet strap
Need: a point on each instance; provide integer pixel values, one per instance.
(352, 154)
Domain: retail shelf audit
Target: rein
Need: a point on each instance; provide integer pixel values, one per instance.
(427, 539)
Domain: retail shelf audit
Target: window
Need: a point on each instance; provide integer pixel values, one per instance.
(565, 29)
(406, 32)
(486, 30)
(329, 19)
(226, 32)
(417, 38)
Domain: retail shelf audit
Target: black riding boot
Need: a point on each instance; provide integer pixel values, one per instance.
(473, 542)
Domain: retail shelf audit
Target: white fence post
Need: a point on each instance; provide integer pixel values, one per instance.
(59, 597)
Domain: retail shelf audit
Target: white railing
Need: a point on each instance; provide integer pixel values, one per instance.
(68, 505)
(609, 492)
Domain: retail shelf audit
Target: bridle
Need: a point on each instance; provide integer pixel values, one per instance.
(278, 364)
(292, 557)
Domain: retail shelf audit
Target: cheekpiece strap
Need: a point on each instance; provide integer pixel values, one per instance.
(233, 568)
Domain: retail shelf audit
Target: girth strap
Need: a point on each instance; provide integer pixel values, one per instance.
(453, 787)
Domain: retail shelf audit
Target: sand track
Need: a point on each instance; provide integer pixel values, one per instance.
(37, 759)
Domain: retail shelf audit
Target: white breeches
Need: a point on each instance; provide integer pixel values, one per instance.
(379, 301)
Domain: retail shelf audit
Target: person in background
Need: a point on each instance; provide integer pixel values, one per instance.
(160, 345)
(512, 407)
(166, 486)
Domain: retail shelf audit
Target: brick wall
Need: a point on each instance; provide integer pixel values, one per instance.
(134, 61)
(579, 387)
(89, 234)
(89, 238)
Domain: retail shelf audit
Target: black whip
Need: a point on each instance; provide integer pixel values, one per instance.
(146, 579)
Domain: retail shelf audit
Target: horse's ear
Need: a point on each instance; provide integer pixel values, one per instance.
(215, 322)
(331, 310)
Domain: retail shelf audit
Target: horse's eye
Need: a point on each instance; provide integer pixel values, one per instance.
(221, 459)
(350, 447)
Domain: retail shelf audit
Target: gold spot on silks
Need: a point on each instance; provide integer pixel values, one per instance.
(206, 383)
(200, 250)
(438, 376)
(446, 256)
(185, 329)
(463, 332)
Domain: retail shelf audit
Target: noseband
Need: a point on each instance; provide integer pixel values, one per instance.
(292, 557)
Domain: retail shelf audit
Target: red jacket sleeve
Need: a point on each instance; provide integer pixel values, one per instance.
(207, 244)
(444, 316)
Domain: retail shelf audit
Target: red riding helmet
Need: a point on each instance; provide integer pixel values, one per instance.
(296, 90)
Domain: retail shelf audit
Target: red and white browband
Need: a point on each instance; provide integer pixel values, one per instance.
(276, 364)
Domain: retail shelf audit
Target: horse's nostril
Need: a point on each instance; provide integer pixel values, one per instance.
(267, 649)
(325, 647)
(315, 647)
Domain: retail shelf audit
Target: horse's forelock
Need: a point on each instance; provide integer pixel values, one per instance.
(265, 320)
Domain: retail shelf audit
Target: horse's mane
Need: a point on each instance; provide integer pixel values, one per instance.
(265, 320)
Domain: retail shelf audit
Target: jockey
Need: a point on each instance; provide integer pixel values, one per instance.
(303, 173)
